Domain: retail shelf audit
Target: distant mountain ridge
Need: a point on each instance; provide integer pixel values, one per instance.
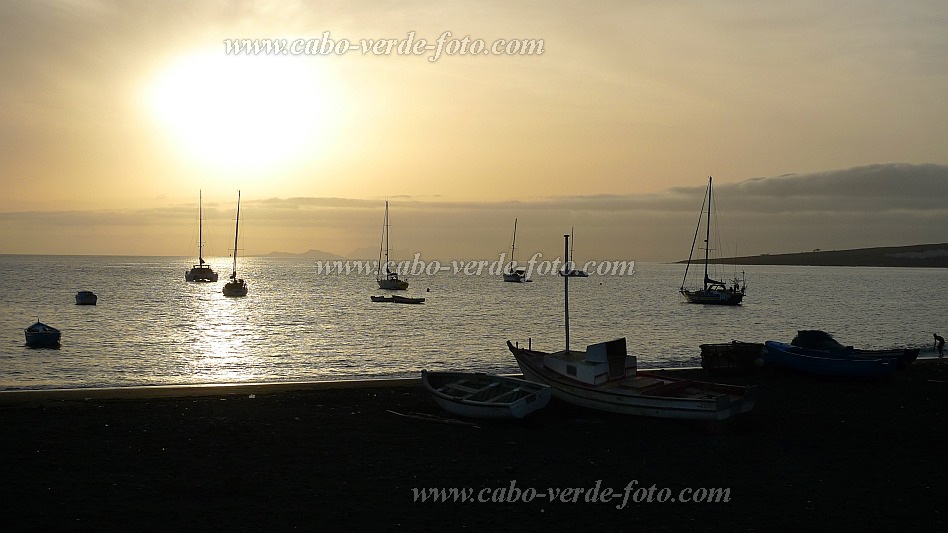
(918, 255)
(311, 254)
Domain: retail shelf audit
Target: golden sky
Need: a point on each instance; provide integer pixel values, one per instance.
(117, 113)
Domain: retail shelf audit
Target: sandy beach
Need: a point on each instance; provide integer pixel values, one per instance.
(814, 453)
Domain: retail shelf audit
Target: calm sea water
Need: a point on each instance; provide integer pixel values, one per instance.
(151, 327)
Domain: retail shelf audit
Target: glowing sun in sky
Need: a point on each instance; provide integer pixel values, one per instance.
(241, 112)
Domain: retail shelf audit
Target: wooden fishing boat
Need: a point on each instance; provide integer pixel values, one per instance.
(86, 298)
(398, 299)
(604, 377)
(40, 335)
(480, 395)
(826, 364)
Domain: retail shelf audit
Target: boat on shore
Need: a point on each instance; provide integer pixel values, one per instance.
(40, 335)
(711, 292)
(818, 343)
(86, 298)
(513, 273)
(604, 377)
(398, 299)
(480, 395)
(236, 287)
(390, 280)
(826, 363)
(201, 271)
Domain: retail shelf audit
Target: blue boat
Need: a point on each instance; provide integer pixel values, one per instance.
(826, 364)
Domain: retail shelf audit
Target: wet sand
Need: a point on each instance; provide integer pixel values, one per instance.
(814, 453)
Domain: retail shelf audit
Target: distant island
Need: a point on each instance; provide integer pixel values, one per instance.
(311, 254)
(919, 255)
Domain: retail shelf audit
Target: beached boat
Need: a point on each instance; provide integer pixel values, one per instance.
(40, 335)
(572, 271)
(86, 298)
(479, 395)
(513, 273)
(201, 271)
(712, 292)
(818, 343)
(605, 377)
(826, 364)
(236, 286)
(390, 280)
(398, 299)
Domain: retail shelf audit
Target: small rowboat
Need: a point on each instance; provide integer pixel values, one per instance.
(480, 395)
(86, 298)
(398, 299)
(40, 335)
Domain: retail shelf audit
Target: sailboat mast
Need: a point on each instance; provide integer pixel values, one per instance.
(386, 237)
(707, 237)
(566, 291)
(513, 243)
(200, 229)
(236, 230)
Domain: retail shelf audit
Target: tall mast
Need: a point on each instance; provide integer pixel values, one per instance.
(236, 229)
(200, 229)
(513, 243)
(707, 236)
(566, 290)
(386, 237)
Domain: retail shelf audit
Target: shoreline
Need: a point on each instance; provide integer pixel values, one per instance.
(814, 452)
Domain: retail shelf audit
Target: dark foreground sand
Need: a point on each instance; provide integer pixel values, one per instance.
(815, 453)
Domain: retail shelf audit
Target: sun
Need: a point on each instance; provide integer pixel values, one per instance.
(241, 112)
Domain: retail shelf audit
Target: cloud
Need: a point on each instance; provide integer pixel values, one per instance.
(874, 205)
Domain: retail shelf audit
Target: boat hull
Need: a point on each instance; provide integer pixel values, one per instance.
(825, 364)
(643, 394)
(235, 289)
(86, 298)
(200, 273)
(392, 284)
(398, 299)
(479, 395)
(40, 335)
(713, 297)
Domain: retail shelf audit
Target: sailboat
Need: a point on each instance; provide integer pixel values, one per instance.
(201, 271)
(512, 274)
(605, 377)
(573, 272)
(390, 280)
(713, 292)
(236, 286)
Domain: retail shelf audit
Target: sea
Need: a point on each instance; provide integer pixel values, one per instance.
(300, 323)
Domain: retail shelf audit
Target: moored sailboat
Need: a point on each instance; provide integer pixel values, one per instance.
(513, 273)
(712, 292)
(390, 279)
(236, 286)
(201, 271)
(573, 272)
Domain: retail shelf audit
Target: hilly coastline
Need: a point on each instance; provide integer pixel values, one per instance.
(919, 255)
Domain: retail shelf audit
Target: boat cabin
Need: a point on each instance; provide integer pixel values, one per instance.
(600, 363)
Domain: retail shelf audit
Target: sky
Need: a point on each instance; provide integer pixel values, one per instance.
(823, 124)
